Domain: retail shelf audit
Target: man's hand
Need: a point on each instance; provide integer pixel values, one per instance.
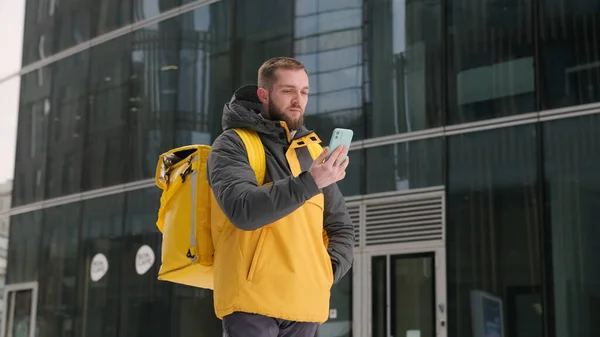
(325, 173)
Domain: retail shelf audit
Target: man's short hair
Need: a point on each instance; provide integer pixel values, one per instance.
(267, 72)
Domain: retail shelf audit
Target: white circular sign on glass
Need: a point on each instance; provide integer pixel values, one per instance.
(144, 259)
(99, 267)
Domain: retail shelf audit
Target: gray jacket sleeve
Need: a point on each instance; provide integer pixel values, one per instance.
(247, 205)
(340, 231)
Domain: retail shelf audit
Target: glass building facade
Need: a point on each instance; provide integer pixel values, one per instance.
(473, 181)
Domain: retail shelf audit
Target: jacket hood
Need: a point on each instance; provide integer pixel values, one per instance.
(244, 111)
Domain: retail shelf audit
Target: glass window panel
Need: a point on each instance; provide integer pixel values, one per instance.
(333, 59)
(338, 4)
(305, 7)
(572, 163)
(99, 298)
(331, 41)
(146, 301)
(339, 325)
(38, 30)
(58, 270)
(339, 100)
(352, 184)
(490, 60)
(109, 15)
(261, 35)
(340, 58)
(9, 96)
(72, 23)
(33, 122)
(336, 80)
(569, 44)
(379, 294)
(493, 228)
(24, 247)
(404, 166)
(404, 62)
(105, 141)
(66, 115)
(319, 23)
(145, 9)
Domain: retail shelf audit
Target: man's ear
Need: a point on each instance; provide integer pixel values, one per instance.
(263, 95)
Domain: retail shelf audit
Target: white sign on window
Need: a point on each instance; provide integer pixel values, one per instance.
(99, 267)
(144, 259)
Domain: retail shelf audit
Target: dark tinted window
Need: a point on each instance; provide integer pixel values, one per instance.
(493, 228)
(38, 30)
(101, 256)
(403, 84)
(328, 40)
(109, 15)
(353, 183)
(104, 142)
(58, 270)
(24, 247)
(490, 59)
(404, 166)
(66, 117)
(31, 152)
(569, 48)
(572, 163)
(145, 9)
(71, 23)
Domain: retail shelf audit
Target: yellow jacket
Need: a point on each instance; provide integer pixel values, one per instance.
(271, 258)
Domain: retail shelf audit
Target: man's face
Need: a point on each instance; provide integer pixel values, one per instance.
(288, 97)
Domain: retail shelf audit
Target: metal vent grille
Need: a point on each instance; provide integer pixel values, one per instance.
(404, 220)
(354, 211)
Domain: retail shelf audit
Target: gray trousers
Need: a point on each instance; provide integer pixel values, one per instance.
(241, 324)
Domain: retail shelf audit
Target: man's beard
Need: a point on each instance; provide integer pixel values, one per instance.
(276, 114)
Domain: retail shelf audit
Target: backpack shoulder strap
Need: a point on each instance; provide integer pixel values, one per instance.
(315, 150)
(256, 152)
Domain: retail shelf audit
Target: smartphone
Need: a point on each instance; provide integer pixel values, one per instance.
(340, 137)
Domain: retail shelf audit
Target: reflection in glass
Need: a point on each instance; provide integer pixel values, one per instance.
(104, 141)
(379, 296)
(352, 184)
(412, 304)
(405, 166)
(145, 9)
(339, 325)
(493, 228)
(31, 153)
(58, 270)
(38, 30)
(572, 164)
(65, 116)
(24, 247)
(108, 15)
(328, 40)
(71, 23)
(571, 53)
(490, 60)
(99, 298)
(19, 313)
(9, 96)
(404, 61)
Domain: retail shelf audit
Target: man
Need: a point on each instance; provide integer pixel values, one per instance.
(273, 267)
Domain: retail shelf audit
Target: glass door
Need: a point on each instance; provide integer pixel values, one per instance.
(407, 295)
(20, 308)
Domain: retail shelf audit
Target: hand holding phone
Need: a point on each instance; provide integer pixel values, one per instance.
(331, 164)
(340, 137)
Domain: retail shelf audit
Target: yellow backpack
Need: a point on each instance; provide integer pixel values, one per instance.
(189, 216)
